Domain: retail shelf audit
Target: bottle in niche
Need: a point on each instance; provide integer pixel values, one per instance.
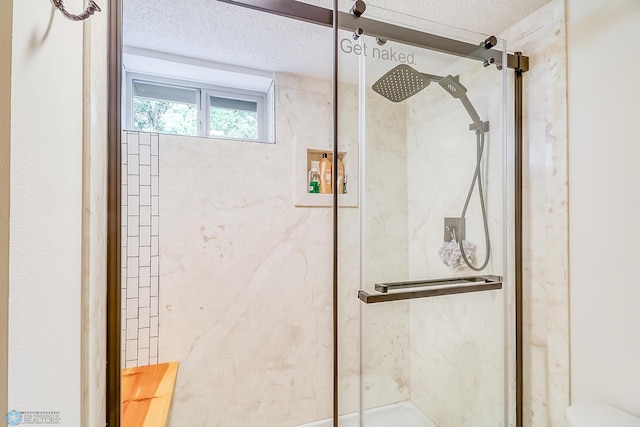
(326, 186)
(314, 178)
(341, 179)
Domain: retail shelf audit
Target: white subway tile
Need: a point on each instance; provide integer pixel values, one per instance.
(153, 347)
(132, 308)
(145, 138)
(132, 329)
(143, 338)
(132, 146)
(145, 256)
(155, 291)
(133, 204)
(145, 175)
(155, 185)
(145, 281)
(154, 165)
(144, 297)
(133, 165)
(155, 204)
(145, 236)
(155, 145)
(145, 215)
(132, 245)
(155, 325)
(144, 317)
(154, 306)
(145, 155)
(145, 196)
(155, 227)
(132, 287)
(155, 246)
(132, 224)
(143, 357)
(132, 266)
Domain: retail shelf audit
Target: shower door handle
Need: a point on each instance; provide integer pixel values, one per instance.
(399, 291)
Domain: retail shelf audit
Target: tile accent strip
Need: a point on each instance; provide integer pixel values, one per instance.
(140, 248)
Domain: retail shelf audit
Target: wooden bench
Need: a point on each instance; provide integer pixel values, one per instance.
(146, 394)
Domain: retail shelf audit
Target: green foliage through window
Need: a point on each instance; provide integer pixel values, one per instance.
(151, 115)
(233, 123)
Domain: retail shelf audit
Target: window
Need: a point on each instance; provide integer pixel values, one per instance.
(188, 108)
(233, 118)
(165, 109)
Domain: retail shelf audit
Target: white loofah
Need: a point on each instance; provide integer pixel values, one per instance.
(451, 256)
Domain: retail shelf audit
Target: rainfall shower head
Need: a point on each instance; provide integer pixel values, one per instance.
(403, 82)
(400, 83)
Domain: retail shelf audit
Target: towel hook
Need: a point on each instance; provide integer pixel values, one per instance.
(90, 10)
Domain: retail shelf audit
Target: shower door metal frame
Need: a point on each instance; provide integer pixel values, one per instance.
(328, 18)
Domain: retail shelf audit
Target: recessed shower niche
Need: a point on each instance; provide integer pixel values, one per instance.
(306, 157)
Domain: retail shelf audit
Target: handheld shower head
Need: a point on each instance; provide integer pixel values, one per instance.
(400, 83)
(453, 86)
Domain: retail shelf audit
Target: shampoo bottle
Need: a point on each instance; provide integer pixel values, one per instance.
(314, 178)
(326, 185)
(341, 182)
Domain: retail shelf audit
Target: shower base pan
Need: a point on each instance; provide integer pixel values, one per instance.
(404, 414)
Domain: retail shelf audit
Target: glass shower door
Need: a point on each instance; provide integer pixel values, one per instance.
(433, 276)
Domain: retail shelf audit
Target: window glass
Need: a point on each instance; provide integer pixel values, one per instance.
(165, 109)
(233, 118)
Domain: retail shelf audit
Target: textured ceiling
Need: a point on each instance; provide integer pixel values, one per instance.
(219, 32)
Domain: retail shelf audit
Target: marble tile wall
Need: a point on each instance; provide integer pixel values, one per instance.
(456, 342)
(542, 37)
(246, 296)
(140, 248)
(246, 301)
(384, 330)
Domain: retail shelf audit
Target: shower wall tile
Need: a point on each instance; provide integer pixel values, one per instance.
(246, 301)
(385, 327)
(139, 261)
(542, 36)
(456, 342)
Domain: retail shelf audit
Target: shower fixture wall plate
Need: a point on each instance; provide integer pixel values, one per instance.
(454, 229)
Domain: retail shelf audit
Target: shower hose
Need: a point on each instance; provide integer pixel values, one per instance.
(477, 177)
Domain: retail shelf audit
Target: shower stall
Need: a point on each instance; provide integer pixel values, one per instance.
(395, 298)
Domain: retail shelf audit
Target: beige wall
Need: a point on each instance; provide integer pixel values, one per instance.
(46, 212)
(604, 152)
(94, 220)
(6, 11)
(57, 133)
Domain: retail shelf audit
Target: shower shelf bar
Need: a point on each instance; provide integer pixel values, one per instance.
(430, 288)
(322, 16)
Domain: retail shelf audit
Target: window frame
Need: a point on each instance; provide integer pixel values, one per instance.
(265, 111)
